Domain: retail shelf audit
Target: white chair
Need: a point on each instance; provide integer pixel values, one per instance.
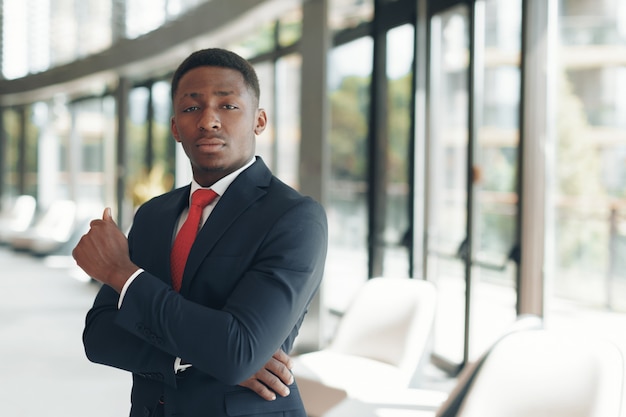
(18, 218)
(51, 231)
(541, 373)
(380, 342)
(450, 406)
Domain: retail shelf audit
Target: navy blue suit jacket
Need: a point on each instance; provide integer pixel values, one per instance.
(251, 274)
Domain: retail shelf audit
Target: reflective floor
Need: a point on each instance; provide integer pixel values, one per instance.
(43, 368)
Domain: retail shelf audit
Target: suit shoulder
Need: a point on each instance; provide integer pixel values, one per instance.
(288, 194)
(282, 198)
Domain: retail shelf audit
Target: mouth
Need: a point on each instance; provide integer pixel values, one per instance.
(210, 144)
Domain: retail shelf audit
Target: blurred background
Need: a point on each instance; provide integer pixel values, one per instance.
(476, 144)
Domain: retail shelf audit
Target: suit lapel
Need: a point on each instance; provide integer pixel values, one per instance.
(247, 188)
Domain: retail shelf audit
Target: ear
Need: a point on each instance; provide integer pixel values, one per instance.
(174, 129)
(261, 122)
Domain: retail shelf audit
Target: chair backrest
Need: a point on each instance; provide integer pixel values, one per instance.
(58, 221)
(389, 320)
(22, 213)
(541, 373)
(451, 405)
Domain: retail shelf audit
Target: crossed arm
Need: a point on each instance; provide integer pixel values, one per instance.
(272, 379)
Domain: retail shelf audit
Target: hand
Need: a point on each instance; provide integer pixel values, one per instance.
(273, 378)
(103, 253)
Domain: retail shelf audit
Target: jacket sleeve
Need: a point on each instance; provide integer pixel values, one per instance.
(109, 344)
(262, 311)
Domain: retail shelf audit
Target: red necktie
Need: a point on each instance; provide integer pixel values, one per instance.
(187, 234)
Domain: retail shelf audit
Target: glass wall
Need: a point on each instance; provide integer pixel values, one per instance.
(400, 44)
(54, 152)
(287, 119)
(265, 141)
(41, 34)
(163, 145)
(588, 192)
(12, 130)
(346, 14)
(448, 144)
(350, 69)
(88, 137)
(28, 145)
(495, 170)
(472, 197)
(143, 16)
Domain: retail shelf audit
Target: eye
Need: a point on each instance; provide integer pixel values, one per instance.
(230, 107)
(190, 109)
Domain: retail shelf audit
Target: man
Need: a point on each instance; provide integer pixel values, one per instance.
(250, 274)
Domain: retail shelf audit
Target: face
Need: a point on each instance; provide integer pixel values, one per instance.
(216, 118)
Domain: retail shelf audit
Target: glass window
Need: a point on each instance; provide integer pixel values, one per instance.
(14, 39)
(89, 126)
(347, 14)
(495, 184)
(62, 126)
(23, 128)
(265, 142)
(400, 45)
(447, 161)
(143, 16)
(63, 23)
(290, 28)
(137, 169)
(137, 132)
(164, 146)
(178, 7)
(288, 71)
(588, 192)
(93, 20)
(256, 42)
(31, 148)
(12, 130)
(350, 70)
(91, 152)
(52, 148)
(28, 46)
(38, 36)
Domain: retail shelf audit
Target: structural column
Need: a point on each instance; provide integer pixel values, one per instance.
(537, 134)
(314, 160)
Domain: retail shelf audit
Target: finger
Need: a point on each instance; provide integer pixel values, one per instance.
(281, 356)
(260, 389)
(280, 370)
(106, 215)
(273, 382)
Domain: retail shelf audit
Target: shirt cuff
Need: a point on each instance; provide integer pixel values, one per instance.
(179, 366)
(126, 285)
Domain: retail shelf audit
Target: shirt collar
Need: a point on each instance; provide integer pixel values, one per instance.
(222, 184)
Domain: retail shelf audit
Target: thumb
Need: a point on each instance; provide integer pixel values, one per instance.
(106, 215)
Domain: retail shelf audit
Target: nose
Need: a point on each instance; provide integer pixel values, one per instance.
(209, 120)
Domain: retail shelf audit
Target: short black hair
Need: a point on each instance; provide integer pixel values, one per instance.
(216, 57)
